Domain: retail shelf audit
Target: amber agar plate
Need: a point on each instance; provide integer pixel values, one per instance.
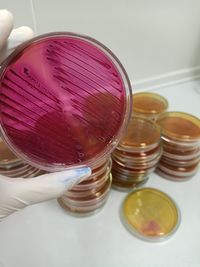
(141, 135)
(149, 103)
(180, 126)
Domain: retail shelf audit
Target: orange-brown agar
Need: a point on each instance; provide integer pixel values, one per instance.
(149, 103)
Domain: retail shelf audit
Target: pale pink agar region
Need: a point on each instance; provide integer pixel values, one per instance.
(151, 228)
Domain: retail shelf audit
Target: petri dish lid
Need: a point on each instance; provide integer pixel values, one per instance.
(65, 101)
(141, 134)
(180, 126)
(150, 214)
(149, 103)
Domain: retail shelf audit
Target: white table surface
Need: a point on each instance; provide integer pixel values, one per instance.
(45, 236)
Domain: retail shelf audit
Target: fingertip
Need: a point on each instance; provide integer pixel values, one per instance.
(75, 176)
(82, 171)
(19, 36)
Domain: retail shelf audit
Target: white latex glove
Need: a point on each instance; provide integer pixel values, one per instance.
(17, 193)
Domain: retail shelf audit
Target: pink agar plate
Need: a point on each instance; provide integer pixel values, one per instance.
(65, 101)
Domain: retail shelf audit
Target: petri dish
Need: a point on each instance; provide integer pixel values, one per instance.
(172, 177)
(179, 163)
(93, 196)
(139, 155)
(88, 206)
(179, 145)
(179, 170)
(141, 134)
(125, 162)
(132, 169)
(150, 214)
(142, 153)
(180, 127)
(149, 103)
(65, 101)
(139, 159)
(125, 186)
(117, 175)
(84, 211)
(179, 151)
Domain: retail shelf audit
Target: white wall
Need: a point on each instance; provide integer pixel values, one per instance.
(151, 37)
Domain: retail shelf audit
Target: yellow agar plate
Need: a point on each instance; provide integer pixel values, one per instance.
(150, 214)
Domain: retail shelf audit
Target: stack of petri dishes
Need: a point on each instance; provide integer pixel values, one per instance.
(12, 166)
(181, 146)
(90, 195)
(137, 154)
(149, 105)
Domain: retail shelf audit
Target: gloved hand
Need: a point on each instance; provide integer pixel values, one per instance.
(17, 193)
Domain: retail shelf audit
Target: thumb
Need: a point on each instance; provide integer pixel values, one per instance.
(18, 36)
(16, 194)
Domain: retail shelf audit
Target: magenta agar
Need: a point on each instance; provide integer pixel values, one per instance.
(65, 100)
